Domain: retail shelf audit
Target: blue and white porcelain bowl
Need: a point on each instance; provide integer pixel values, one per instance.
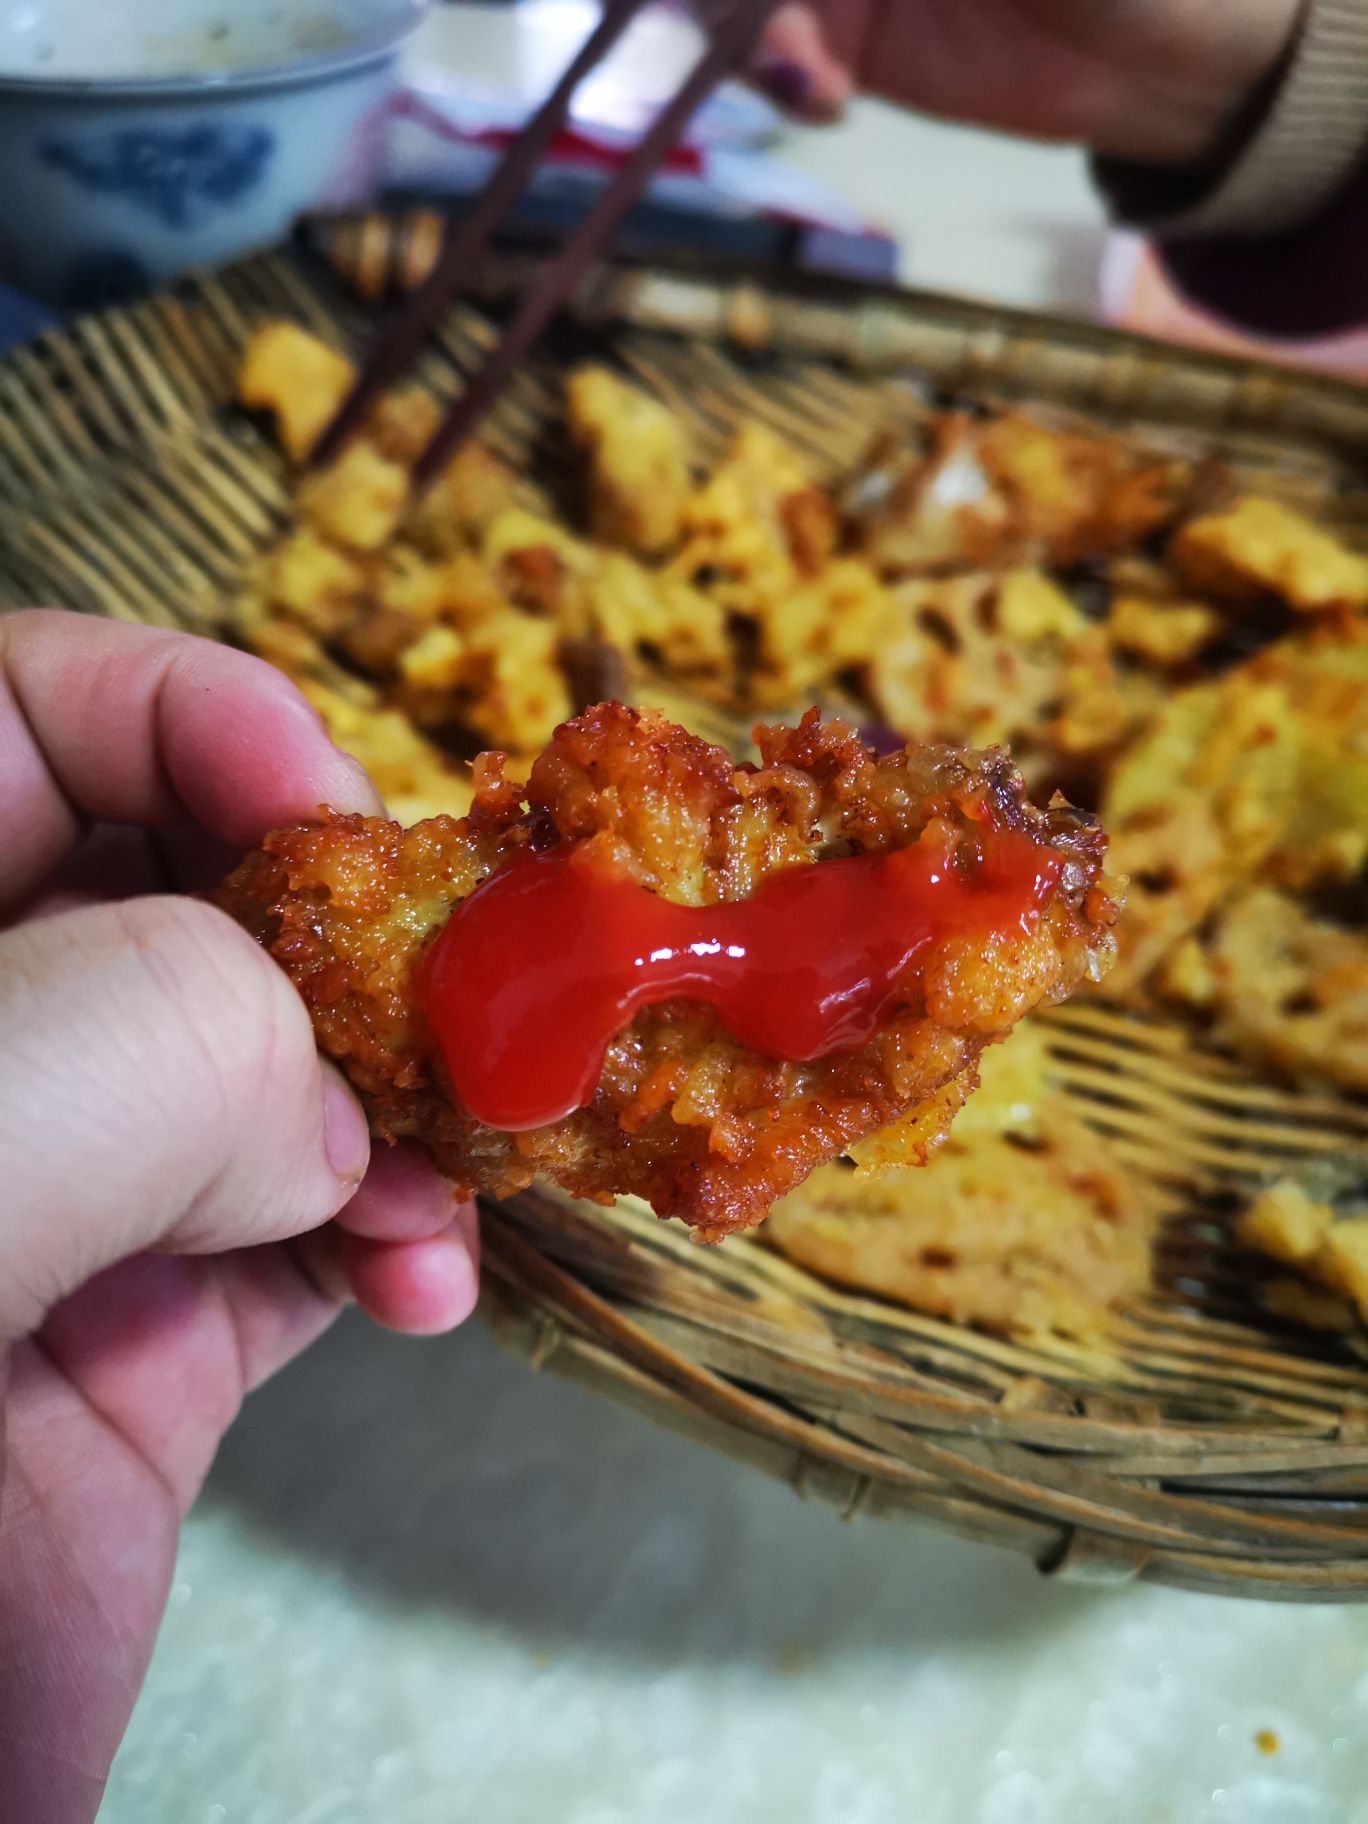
(141, 138)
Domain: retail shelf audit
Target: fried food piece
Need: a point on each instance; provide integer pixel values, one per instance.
(414, 778)
(1257, 546)
(542, 568)
(1164, 633)
(1294, 1223)
(1009, 490)
(520, 691)
(1006, 659)
(829, 623)
(401, 424)
(682, 1114)
(739, 528)
(296, 377)
(466, 498)
(659, 616)
(1023, 1220)
(1290, 988)
(267, 630)
(638, 461)
(314, 582)
(1261, 773)
(359, 500)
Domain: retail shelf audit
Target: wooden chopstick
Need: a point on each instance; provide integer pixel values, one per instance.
(732, 37)
(731, 40)
(399, 341)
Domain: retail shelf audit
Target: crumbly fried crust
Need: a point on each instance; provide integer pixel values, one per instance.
(683, 1116)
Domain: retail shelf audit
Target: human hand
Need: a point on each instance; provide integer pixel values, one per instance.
(170, 1147)
(1155, 80)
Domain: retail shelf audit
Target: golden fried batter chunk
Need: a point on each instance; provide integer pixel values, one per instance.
(1008, 490)
(1295, 1224)
(638, 460)
(738, 532)
(1257, 546)
(314, 582)
(1023, 1220)
(414, 778)
(300, 380)
(828, 623)
(1291, 988)
(682, 1114)
(1004, 659)
(464, 500)
(357, 501)
(1163, 633)
(658, 615)
(400, 424)
(1261, 773)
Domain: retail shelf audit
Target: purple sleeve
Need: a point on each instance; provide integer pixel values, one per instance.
(1307, 283)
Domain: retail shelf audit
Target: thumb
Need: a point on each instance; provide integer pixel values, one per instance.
(162, 1089)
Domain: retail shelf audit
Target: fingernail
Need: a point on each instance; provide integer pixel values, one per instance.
(366, 796)
(788, 82)
(345, 1135)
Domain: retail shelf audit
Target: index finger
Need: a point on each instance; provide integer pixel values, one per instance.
(100, 720)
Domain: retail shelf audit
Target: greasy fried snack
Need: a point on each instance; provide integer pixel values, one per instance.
(1006, 659)
(1284, 986)
(414, 778)
(1299, 1225)
(1262, 773)
(1010, 490)
(638, 456)
(682, 1114)
(299, 379)
(1023, 1220)
(1255, 546)
(758, 540)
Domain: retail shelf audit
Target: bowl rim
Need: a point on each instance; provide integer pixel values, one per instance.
(378, 44)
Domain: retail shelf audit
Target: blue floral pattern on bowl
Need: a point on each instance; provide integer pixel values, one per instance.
(182, 176)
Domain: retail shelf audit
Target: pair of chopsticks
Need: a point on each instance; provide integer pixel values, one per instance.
(735, 28)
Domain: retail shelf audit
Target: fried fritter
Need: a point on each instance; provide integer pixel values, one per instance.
(1005, 659)
(1012, 490)
(1289, 988)
(1025, 1220)
(638, 457)
(1257, 545)
(1262, 773)
(299, 379)
(682, 1114)
(1309, 1224)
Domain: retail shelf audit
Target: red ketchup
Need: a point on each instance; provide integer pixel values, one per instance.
(549, 958)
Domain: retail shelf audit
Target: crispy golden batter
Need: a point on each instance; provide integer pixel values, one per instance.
(1004, 659)
(1300, 1225)
(1256, 545)
(1023, 1220)
(296, 377)
(1011, 490)
(987, 579)
(1286, 987)
(1260, 774)
(683, 1116)
(638, 456)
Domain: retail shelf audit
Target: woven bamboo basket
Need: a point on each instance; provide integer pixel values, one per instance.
(1204, 1443)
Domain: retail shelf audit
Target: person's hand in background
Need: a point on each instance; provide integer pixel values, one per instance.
(1153, 80)
(170, 1147)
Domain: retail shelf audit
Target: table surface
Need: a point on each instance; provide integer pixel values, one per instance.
(424, 1585)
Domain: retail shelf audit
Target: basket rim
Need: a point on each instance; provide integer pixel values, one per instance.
(1147, 1466)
